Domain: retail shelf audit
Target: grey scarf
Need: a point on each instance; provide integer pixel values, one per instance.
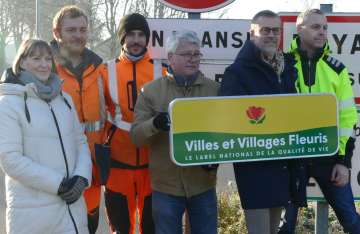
(49, 91)
(133, 58)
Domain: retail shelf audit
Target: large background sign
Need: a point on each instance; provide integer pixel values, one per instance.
(221, 39)
(195, 6)
(253, 128)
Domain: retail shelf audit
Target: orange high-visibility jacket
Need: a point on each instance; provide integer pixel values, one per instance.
(124, 79)
(89, 101)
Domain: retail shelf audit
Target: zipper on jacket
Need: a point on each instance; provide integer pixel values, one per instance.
(186, 92)
(66, 163)
(280, 84)
(137, 157)
(309, 76)
(297, 183)
(134, 90)
(61, 141)
(297, 174)
(134, 96)
(310, 90)
(73, 220)
(271, 80)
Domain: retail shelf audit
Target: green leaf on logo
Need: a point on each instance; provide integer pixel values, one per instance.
(252, 121)
(261, 120)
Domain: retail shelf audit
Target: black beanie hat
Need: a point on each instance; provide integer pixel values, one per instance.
(130, 22)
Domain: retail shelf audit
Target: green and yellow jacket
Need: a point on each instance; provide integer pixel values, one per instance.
(323, 73)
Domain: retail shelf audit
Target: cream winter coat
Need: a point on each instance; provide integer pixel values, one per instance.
(32, 158)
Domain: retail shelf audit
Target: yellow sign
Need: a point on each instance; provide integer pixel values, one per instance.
(229, 129)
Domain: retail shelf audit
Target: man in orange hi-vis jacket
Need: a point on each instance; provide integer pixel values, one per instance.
(128, 188)
(82, 71)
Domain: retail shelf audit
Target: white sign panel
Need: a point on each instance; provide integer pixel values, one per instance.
(221, 39)
(213, 71)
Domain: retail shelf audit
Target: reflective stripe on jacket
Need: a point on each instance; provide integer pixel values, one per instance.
(89, 102)
(323, 73)
(124, 78)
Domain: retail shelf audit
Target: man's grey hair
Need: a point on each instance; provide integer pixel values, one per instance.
(264, 13)
(172, 42)
(301, 19)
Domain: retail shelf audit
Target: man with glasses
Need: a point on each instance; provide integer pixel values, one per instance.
(318, 72)
(262, 68)
(128, 188)
(176, 188)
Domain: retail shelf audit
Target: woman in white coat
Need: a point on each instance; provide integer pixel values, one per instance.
(43, 149)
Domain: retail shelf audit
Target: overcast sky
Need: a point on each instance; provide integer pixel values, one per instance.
(246, 9)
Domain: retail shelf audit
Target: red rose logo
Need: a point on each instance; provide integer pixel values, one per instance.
(255, 114)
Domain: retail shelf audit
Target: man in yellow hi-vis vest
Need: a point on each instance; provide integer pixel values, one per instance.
(318, 72)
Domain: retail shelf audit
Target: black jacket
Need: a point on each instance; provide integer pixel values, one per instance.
(273, 183)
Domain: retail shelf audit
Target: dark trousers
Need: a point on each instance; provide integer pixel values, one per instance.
(168, 211)
(341, 199)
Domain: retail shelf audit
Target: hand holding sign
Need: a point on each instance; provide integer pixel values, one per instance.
(162, 121)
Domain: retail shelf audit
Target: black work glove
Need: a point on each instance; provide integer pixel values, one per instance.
(162, 121)
(71, 190)
(210, 167)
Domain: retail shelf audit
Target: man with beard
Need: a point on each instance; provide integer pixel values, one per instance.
(318, 72)
(82, 71)
(128, 188)
(262, 68)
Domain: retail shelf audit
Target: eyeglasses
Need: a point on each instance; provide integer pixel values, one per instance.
(266, 30)
(189, 56)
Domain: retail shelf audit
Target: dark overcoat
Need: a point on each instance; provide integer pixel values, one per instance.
(273, 183)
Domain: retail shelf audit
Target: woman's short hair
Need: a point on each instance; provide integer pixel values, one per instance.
(28, 48)
(172, 42)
